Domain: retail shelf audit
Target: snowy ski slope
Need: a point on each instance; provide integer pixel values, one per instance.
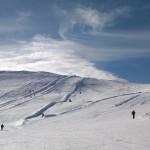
(79, 113)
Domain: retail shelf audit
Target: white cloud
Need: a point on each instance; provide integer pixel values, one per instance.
(89, 17)
(110, 46)
(47, 54)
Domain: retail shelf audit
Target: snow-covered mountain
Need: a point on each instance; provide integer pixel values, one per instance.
(79, 113)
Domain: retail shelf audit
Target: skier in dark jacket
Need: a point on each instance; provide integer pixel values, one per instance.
(133, 114)
(2, 127)
(43, 115)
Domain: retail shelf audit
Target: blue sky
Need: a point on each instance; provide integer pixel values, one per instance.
(97, 38)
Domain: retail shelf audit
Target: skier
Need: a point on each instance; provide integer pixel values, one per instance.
(2, 127)
(133, 114)
(70, 100)
(43, 115)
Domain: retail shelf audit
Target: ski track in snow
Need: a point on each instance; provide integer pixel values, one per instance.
(88, 104)
(51, 86)
(66, 97)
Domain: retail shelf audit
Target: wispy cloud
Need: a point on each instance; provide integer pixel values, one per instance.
(48, 54)
(87, 26)
(44, 53)
(90, 18)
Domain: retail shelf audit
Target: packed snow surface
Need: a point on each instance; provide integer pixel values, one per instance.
(45, 111)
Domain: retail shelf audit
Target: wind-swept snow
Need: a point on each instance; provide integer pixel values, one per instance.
(79, 113)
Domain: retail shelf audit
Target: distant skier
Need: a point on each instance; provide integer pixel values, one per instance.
(43, 115)
(133, 114)
(70, 100)
(2, 127)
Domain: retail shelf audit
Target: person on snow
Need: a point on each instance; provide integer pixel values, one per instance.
(2, 127)
(133, 114)
(43, 115)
